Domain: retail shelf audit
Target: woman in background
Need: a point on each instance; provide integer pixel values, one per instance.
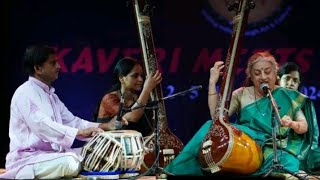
(290, 76)
(128, 84)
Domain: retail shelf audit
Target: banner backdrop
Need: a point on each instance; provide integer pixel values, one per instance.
(90, 36)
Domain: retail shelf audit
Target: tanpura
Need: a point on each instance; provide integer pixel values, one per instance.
(164, 145)
(226, 148)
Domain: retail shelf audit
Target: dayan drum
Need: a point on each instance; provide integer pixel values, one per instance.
(132, 148)
(102, 153)
(114, 150)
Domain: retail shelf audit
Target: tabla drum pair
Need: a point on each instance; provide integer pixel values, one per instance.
(112, 151)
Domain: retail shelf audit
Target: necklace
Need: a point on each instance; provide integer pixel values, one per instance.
(255, 101)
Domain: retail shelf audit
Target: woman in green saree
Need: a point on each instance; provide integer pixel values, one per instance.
(289, 76)
(254, 110)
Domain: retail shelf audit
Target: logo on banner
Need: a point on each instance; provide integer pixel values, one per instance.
(266, 15)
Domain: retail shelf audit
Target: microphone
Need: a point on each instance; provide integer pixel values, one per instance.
(117, 122)
(265, 88)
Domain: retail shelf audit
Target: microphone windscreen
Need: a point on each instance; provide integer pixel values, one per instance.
(264, 87)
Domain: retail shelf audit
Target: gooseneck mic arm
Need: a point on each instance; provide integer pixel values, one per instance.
(154, 103)
(275, 107)
(117, 122)
(182, 93)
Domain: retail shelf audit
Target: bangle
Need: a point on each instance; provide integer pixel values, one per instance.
(140, 104)
(212, 94)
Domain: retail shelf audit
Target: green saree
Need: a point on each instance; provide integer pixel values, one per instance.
(255, 120)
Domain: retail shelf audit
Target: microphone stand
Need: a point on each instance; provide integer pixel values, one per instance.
(121, 112)
(275, 115)
(155, 168)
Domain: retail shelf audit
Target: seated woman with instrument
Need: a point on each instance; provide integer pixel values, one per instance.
(254, 111)
(128, 82)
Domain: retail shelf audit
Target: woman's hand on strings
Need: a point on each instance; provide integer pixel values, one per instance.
(216, 72)
(153, 80)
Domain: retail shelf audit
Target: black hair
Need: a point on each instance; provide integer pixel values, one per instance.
(122, 68)
(288, 67)
(36, 55)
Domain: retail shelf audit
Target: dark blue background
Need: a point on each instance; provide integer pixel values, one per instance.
(111, 24)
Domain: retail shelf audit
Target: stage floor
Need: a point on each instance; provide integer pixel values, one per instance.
(152, 177)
